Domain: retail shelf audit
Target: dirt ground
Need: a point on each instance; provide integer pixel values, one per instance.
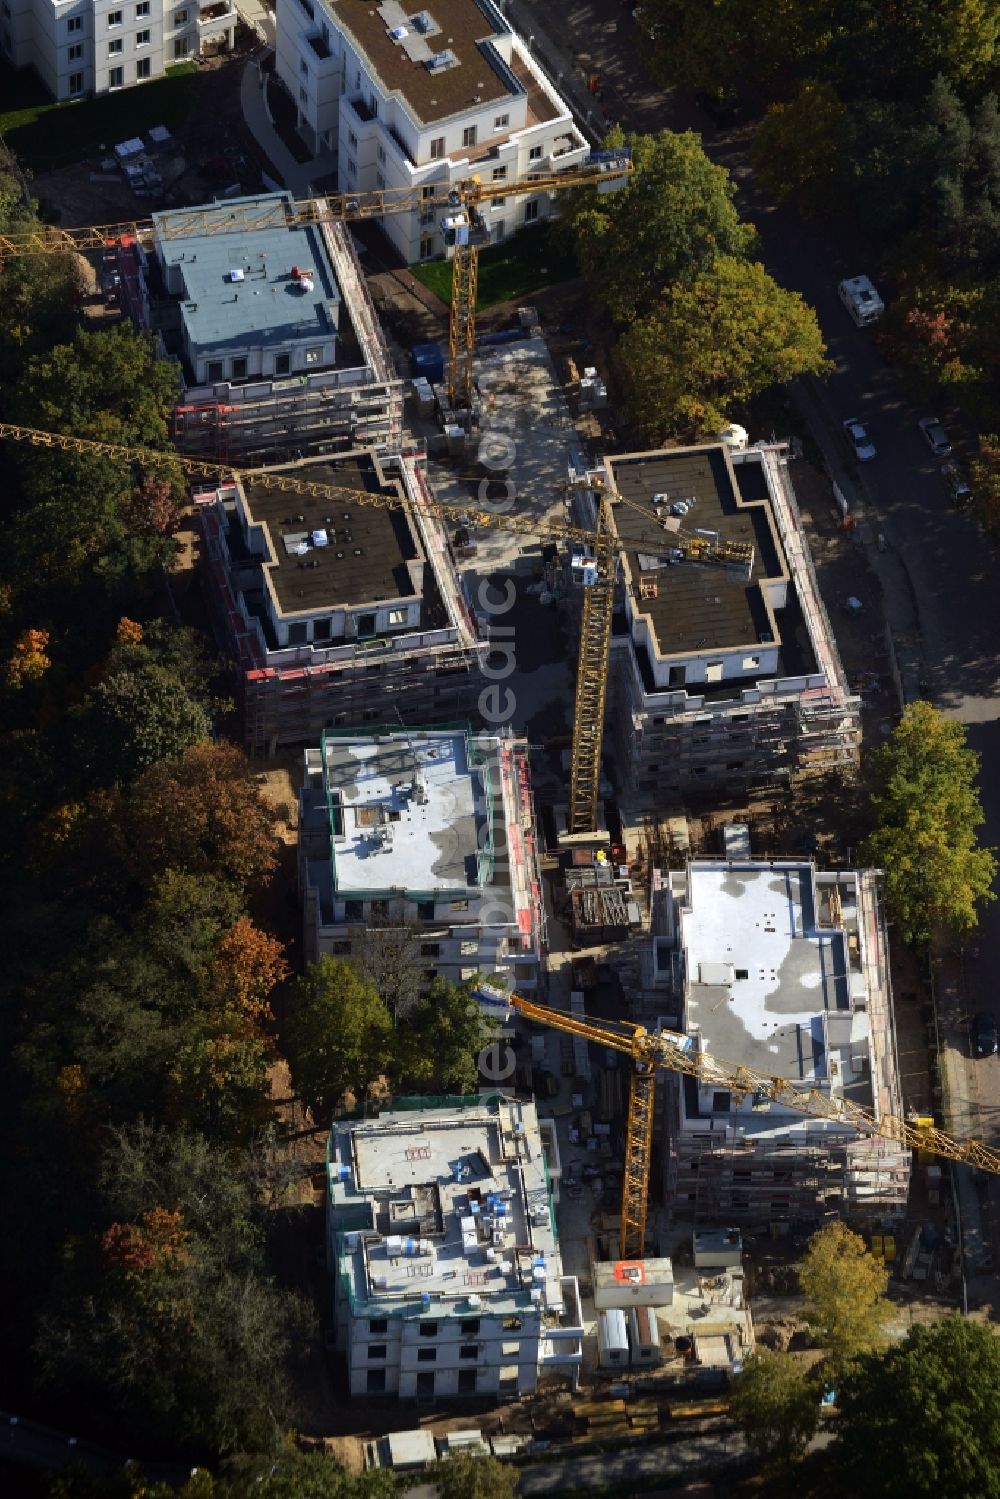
(209, 152)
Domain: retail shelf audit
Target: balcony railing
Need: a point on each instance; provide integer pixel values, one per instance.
(216, 19)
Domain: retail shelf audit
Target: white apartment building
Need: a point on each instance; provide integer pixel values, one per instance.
(725, 677)
(81, 47)
(785, 970)
(430, 831)
(441, 1238)
(413, 98)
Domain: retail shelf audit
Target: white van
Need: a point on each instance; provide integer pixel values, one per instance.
(861, 300)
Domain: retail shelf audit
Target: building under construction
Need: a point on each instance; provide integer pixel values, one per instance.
(430, 832)
(275, 337)
(337, 614)
(783, 969)
(723, 679)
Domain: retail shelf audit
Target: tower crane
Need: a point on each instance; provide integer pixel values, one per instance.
(463, 226)
(666, 537)
(651, 1050)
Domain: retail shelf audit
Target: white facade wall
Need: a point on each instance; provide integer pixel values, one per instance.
(453, 952)
(78, 46)
(225, 362)
(345, 108)
(122, 53)
(17, 32)
(504, 1359)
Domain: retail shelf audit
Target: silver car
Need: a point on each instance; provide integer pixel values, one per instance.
(935, 436)
(857, 435)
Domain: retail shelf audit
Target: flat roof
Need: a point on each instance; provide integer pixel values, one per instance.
(393, 836)
(765, 986)
(697, 606)
(458, 1205)
(268, 306)
(463, 27)
(364, 560)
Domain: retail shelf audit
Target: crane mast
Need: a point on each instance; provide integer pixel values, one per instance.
(677, 1052)
(602, 544)
(466, 232)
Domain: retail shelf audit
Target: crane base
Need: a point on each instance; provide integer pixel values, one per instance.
(599, 837)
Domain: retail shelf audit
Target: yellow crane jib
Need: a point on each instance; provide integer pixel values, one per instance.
(678, 1052)
(466, 231)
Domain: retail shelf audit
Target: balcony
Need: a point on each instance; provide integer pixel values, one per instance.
(401, 147)
(216, 21)
(319, 45)
(362, 110)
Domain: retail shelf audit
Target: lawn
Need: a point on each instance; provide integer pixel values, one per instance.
(531, 259)
(44, 134)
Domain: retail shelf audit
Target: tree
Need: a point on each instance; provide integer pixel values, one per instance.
(78, 507)
(110, 385)
(339, 1035)
(28, 661)
(712, 343)
(466, 1476)
(390, 957)
(287, 1473)
(39, 291)
(203, 813)
(165, 1321)
(292, 1474)
(883, 163)
(922, 1419)
(248, 965)
(671, 222)
(984, 475)
(777, 1406)
(135, 718)
(926, 811)
(439, 1047)
(795, 150)
(844, 1287)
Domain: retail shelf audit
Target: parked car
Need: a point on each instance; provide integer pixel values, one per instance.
(983, 1032)
(857, 435)
(935, 436)
(861, 300)
(957, 490)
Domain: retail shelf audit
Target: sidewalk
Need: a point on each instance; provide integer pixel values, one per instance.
(566, 74)
(297, 177)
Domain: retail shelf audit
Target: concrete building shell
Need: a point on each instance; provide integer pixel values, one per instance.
(404, 647)
(719, 681)
(273, 364)
(783, 968)
(428, 831)
(441, 1238)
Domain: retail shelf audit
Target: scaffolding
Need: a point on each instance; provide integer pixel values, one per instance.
(424, 675)
(717, 1172)
(268, 420)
